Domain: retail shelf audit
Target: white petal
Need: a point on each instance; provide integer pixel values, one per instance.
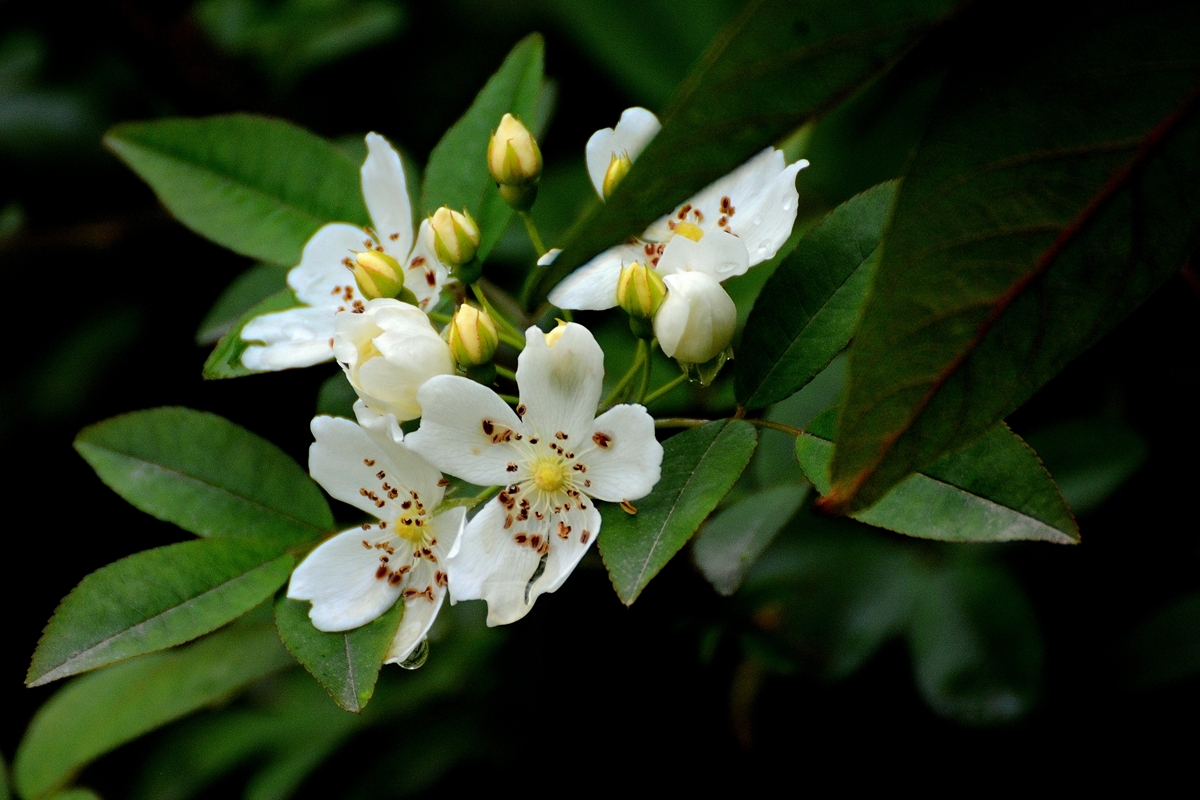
(549, 256)
(339, 578)
(386, 194)
(764, 223)
(631, 464)
(560, 377)
(634, 131)
(452, 436)
(346, 461)
(742, 186)
(490, 565)
(383, 428)
(718, 254)
(564, 555)
(697, 319)
(419, 613)
(424, 275)
(593, 287)
(297, 337)
(321, 279)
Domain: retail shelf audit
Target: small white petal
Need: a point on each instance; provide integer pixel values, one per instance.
(548, 257)
(385, 191)
(339, 578)
(345, 460)
(719, 254)
(765, 222)
(565, 553)
(631, 464)
(424, 275)
(593, 287)
(634, 131)
(452, 435)
(297, 337)
(696, 320)
(419, 612)
(490, 565)
(383, 428)
(560, 377)
(321, 279)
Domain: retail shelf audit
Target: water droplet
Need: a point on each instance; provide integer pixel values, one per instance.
(758, 219)
(417, 659)
(787, 206)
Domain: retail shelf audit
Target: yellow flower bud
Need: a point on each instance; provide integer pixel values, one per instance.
(455, 236)
(618, 168)
(640, 291)
(514, 158)
(378, 275)
(473, 336)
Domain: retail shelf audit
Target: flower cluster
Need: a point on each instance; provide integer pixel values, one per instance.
(372, 299)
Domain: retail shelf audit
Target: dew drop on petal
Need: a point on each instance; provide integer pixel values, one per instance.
(758, 219)
(787, 206)
(418, 657)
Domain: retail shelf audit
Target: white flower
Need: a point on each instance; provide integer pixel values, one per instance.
(611, 151)
(359, 574)
(736, 222)
(324, 280)
(695, 322)
(553, 455)
(387, 352)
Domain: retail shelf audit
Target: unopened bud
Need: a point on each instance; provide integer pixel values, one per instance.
(514, 158)
(378, 275)
(473, 336)
(618, 168)
(640, 291)
(455, 236)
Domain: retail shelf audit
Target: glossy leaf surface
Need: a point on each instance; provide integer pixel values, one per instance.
(729, 545)
(206, 475)
(154, 600)
(256, 185)
(995, 490)
(699, 467)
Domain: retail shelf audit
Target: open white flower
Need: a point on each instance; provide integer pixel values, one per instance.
(324, 280)
(552, 455)
(736, 222)
(359, 574)
(610, 152)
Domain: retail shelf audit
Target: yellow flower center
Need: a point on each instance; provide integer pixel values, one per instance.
(689, 230)
(549, 475)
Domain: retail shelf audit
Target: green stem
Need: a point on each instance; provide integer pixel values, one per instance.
(505, 330)
(619, 389)
(535, 275)
(532, 230)
(660, 391)
(776, 426)
(486, 494)
(505, 372)
(441, 319)
(511, 399)
(680, 422)
(645, 384)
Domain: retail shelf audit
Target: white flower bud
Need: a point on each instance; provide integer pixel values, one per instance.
(387, 352)
(473, 336)
(695, 322)
(640, 291)
(514, 158)
(455, 236)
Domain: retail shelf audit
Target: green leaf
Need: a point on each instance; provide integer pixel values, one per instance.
(5, 791)
(807, 312)
(1165, 648)
(336, 397)
(256, 185)
(995, 490)
(76, 794)
(457, 174)
(975, 646)
(699, 467)
(777, 65)
(1089, 459)
(1051, 195)
(730, 544)
(153, 600)
(206, 475)
(96, 713)
(225, 361)
(247, 290)
(345, 663)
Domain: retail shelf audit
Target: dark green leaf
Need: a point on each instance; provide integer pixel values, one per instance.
(225, 361)
(995, 490)
(807, 312)
(1166, 648)
(336, 397)
(154, 600)
(730, 544)
(206, 475)
(347, 663)
(457, 173)
(247, 290)
(76, 794)
(5, 791)
(1089, 459)
(1051, 195)
(96, 713)
(777, 65)
(975, 644)
(256, 185)
(699, 467)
